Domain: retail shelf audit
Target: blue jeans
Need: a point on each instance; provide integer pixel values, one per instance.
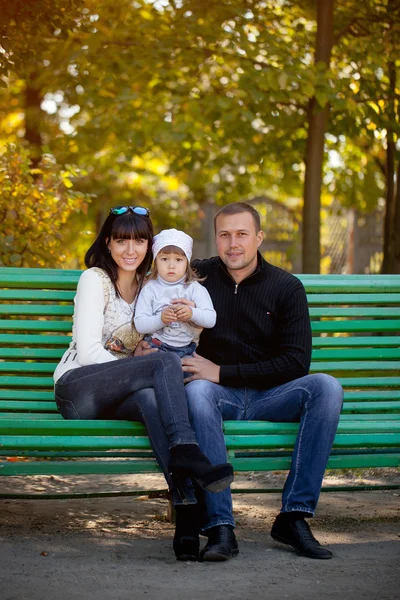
(314, 400)
(181, 351)
(143, 388)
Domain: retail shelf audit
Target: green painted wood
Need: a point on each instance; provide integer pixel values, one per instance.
(41, 339)
(24, 271)
(372, 395)
(29, 382)
(354, 354)
(34, 325)
(355, 365)
(334, 299)
(316, 367)
(21, 407)
(103, 467)
(29, 295)
(67, 442)
(27, 395)
(31, 353)
(94, 442)
(36, 309)
(27, 367)
(27, 415)
(356, 326)
(334, 462)
(35, 281)
(252, 428)
(345, 341)
(345, 311)
(23, 426)
(370, 407)
(362, 382)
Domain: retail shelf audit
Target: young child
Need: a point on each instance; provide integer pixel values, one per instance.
(173, 306)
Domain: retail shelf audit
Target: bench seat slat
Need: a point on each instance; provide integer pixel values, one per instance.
(146, 466)
(29, 295)
(333, 299)
(26, 395)
(334, 462)
(31, 353)
(60, 442)
(355, 365)
(35, 325)
(339, 366)
(346, 341)
(36, 309)
(370, 407)
(20, 406)
(341, 312)
(35, 340)
(354, 353)
(355, 326)
(24, 426)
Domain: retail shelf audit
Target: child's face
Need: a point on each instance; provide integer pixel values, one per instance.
(171, 267)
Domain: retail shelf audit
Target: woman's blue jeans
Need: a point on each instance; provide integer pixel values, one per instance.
(314, 400)
(144, 388)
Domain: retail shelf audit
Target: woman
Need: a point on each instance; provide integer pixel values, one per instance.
(91, 380)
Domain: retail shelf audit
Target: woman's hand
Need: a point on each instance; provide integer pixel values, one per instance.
(143, 349)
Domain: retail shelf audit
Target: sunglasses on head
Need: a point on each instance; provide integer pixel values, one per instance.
(137, 210)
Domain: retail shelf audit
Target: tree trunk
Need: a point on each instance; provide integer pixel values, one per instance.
(317, 123)
(390, 208)
(391, 263)
(33, 117)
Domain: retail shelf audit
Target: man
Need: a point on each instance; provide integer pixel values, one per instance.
(253, 365)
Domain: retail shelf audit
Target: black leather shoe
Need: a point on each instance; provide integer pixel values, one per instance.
(297, 533)
(221, 544)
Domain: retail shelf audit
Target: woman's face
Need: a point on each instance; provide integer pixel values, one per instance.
(128, 254)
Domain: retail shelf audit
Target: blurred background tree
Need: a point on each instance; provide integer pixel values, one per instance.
(187, 105)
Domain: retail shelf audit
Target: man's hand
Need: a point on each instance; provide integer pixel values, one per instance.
(183, 301)
(183, 312)
(201, 368)
(168, 315)
(143, 349)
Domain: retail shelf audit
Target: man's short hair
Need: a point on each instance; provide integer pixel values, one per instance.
(236, 208)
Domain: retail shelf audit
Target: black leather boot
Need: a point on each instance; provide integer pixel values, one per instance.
(186, 542)
(188, 461)
(221, 544)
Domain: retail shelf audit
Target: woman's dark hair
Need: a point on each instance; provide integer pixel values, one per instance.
(124, 227)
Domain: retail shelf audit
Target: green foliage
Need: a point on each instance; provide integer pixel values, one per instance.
(36, 205)
(172, 104)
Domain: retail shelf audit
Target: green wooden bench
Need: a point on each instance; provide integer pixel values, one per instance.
(356, 337)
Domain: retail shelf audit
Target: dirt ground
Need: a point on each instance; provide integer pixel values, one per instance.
(120, 548)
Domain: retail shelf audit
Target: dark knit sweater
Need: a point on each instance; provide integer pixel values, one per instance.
(262, 337)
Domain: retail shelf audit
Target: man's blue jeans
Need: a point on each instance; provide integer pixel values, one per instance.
(314, 400)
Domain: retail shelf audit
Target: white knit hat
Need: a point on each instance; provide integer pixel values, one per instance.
(173, 237)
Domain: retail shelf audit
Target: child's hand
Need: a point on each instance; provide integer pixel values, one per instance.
(183, 312)
(168, 315)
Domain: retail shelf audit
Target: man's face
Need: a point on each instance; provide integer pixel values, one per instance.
(237, 243)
